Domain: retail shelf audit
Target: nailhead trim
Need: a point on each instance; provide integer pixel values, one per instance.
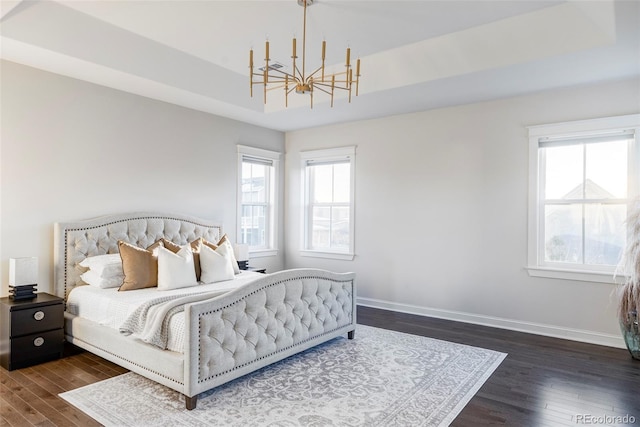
(106, 224)
(133, 363)
(201, 380)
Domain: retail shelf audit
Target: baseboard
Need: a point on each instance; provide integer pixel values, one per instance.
(497, 322)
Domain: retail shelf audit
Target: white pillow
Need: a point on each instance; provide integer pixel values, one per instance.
(225, 248)
(92, 278)
(104, 265)
(175, 270)
(215, 265)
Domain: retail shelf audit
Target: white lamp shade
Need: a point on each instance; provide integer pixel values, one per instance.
(241, 251)
(23, 271)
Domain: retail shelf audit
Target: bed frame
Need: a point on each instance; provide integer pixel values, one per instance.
(229, 336)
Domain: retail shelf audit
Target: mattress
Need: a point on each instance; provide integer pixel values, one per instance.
(111, 308)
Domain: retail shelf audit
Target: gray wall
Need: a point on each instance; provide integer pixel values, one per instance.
(441, 213)
(441, 195)
(72, 150)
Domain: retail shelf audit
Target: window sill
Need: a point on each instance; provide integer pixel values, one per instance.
(579, 275)
(263, 253)
(330, 255)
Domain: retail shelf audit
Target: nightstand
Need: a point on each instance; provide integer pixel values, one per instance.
(31, 331)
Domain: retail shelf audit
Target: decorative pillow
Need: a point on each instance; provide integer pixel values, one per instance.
(140, 267)
(94, 279)
(224, 242)
(195, 248)
(108, 265)
(209, 244)
(216, 265)
(175, 270)
(155, 245)
(173, 247)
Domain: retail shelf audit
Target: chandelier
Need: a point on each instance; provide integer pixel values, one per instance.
(272, 77)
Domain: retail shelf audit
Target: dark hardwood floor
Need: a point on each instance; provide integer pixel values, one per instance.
(542, 382)
(29, 396)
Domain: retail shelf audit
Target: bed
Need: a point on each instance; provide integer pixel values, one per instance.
(250, 322)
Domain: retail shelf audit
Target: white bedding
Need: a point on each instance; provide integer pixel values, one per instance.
(111, 308)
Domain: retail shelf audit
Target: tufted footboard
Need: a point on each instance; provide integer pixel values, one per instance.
(263, 322)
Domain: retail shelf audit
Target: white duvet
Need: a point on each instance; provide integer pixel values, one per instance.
(111, 308)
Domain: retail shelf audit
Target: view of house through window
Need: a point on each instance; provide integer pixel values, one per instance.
(582, 177)
(257, 198)
(254, 215)
(585, 201)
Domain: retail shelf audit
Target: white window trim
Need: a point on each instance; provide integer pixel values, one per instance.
(579, 128)
(273, 235)
(329, 154)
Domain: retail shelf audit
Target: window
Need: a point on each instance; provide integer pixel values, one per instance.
(328, 214)
(582, 177)
(257, 184)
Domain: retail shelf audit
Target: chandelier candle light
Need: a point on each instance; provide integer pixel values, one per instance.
(298, 80)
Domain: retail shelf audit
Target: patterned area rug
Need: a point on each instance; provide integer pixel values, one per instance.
(381, 378)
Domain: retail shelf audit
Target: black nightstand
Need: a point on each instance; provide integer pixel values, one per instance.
(31, 331)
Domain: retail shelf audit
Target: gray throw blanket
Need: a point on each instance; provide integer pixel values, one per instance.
(150, 321)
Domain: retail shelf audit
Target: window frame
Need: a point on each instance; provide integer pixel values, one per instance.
(272, 196)
(327, 156)
(536, 266)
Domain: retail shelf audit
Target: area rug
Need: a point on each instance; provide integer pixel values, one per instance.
(381, 378)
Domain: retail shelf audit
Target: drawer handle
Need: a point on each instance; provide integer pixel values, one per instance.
(38, 315)
(38, 341)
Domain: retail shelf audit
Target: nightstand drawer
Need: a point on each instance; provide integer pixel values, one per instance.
(37, 319)
(36, 348)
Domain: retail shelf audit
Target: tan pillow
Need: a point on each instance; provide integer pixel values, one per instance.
(139, 265)
(169, 245)
(195, 247)
(155, 245)
(211, 245)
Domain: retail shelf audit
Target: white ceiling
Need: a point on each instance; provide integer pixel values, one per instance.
(416, 55)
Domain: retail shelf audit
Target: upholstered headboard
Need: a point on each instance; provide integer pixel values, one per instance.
(74, 241)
